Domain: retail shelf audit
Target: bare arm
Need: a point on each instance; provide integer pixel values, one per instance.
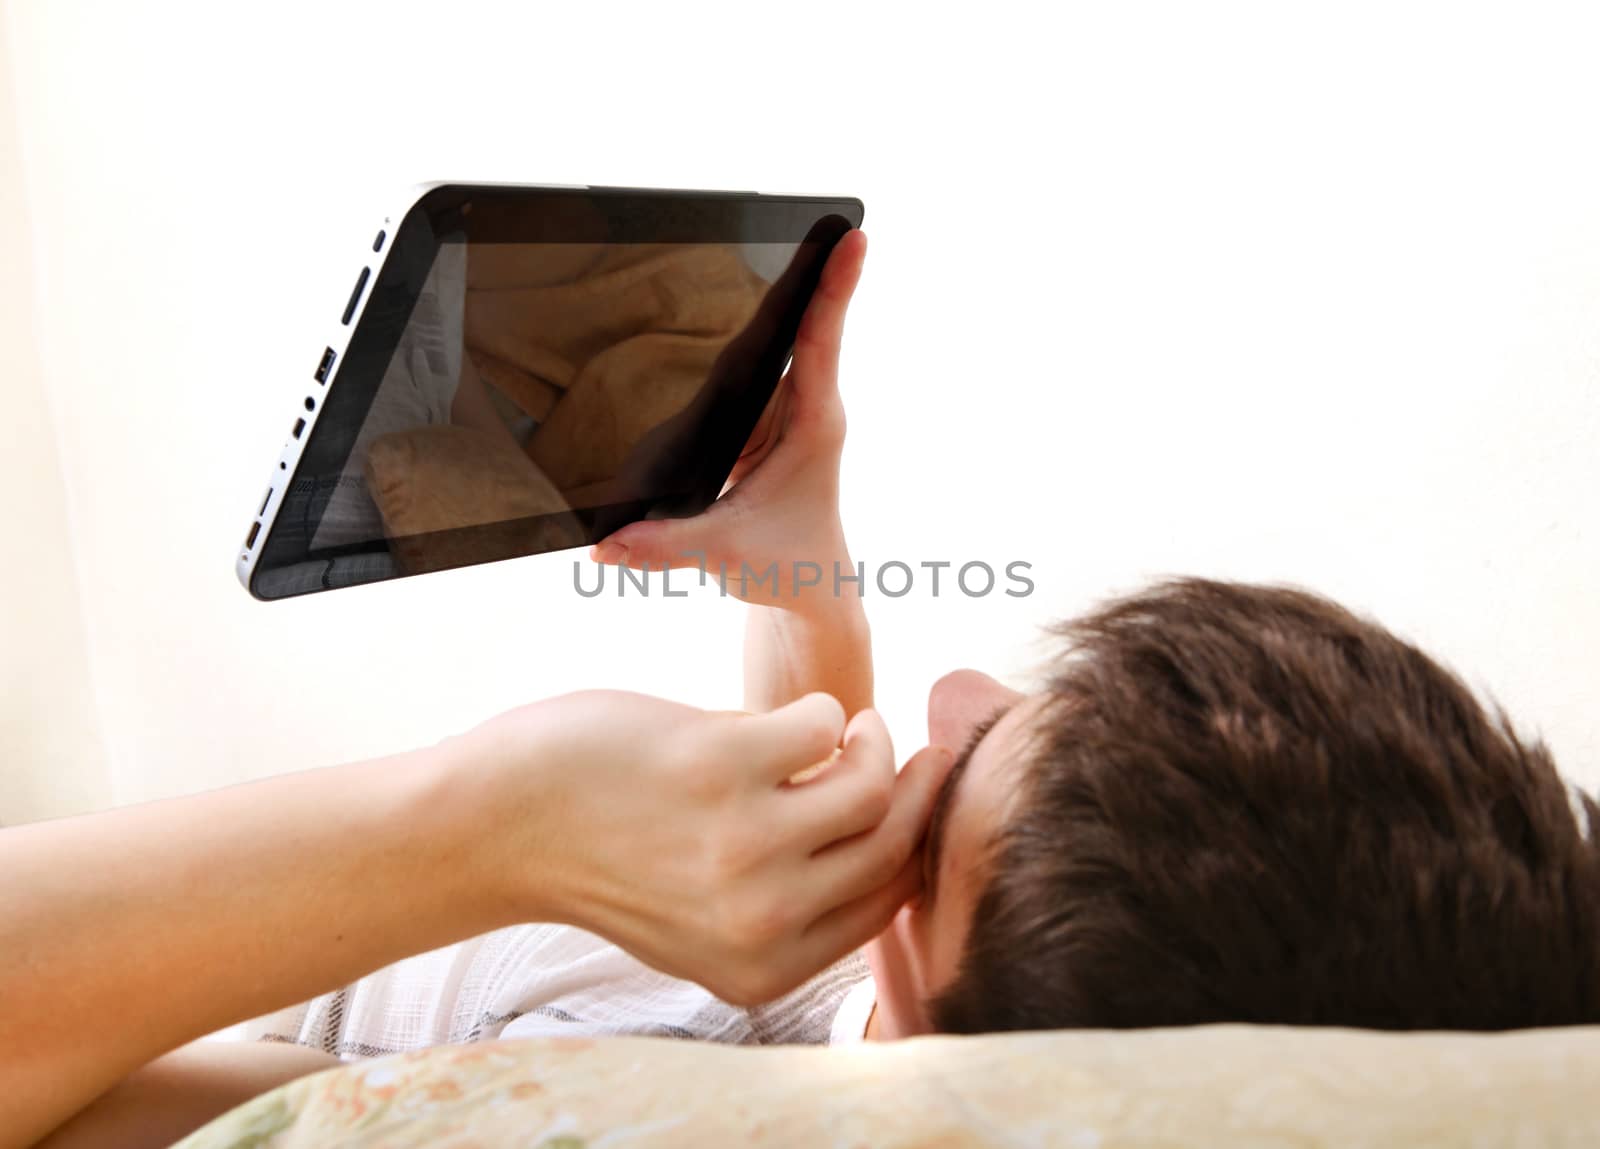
(126, 934)
(789, 653)
(129, 933)
(176, 1094)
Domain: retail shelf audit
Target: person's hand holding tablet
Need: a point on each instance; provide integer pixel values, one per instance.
(782, 505)
(774, 536)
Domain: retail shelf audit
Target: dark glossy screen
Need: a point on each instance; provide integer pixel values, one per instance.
(536, 368)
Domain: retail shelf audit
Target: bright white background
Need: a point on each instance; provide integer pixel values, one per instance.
(1277, 292)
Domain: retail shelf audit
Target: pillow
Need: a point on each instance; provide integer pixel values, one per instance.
(1225, 1086)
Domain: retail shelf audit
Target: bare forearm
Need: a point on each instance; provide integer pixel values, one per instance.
(129, 933)
(826, 646)
(178, 1093)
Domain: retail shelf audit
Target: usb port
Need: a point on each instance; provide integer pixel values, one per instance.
(325, 366)
(299, 425)
(255, 529)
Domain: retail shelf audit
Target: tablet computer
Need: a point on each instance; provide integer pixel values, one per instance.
(523, 369)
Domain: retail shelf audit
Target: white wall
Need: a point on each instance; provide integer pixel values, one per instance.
(1238, 290)
(51, 758)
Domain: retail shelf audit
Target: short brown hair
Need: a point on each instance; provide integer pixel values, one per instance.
(1246, 804)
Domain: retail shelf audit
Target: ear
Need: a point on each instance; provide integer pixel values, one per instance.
(897, 973)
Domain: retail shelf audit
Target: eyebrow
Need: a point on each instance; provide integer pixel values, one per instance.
(933, 842)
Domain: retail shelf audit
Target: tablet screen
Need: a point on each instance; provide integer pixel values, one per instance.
(536, 368)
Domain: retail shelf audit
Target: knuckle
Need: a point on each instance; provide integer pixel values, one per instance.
(819, 737)
(825, 718)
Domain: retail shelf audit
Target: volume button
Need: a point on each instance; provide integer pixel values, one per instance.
(355, 296)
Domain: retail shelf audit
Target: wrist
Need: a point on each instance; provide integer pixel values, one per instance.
(823, 644)
(820, 581)
(481, 800)
(826, 606)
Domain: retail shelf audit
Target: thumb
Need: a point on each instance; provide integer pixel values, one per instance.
(663, 544)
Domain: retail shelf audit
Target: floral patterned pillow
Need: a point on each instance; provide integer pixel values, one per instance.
(1233, 1086)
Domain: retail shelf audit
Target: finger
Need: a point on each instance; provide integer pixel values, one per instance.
(666, 544)
(851, 795)
(854, 924)
(782, 742)
(816, 345)
(853, 868)
(867, 734)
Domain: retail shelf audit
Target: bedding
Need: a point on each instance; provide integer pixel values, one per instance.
(1235, 1086)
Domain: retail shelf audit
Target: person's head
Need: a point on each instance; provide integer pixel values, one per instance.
(1240, 803)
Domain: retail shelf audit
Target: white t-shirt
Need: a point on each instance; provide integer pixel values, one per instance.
(543, 980)
(850, 1021)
